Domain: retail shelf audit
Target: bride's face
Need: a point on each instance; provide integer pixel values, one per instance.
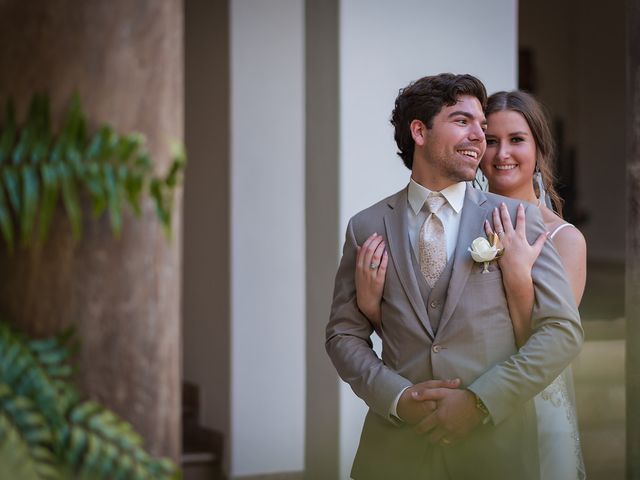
(510, 158)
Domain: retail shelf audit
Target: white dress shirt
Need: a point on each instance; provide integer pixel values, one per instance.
(449, 214)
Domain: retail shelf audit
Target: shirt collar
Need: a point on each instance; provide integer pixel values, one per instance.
(454, 194)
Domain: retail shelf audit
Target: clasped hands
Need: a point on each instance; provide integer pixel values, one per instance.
(439, 409)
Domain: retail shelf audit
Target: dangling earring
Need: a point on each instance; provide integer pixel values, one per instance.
(543, 198)
(480, 181)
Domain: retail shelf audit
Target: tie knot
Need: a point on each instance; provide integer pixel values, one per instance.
(435, 201)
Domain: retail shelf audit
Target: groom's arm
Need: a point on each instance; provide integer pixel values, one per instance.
(555, 341)
(348, 341)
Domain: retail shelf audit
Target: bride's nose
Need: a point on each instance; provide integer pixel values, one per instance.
(503, 151)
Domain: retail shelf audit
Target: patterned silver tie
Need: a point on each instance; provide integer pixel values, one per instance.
(431, 243)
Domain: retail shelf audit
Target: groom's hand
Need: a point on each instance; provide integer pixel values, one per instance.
(454, 418)
(412, 409)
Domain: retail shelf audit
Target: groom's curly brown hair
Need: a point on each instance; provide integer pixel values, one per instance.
(423, 99)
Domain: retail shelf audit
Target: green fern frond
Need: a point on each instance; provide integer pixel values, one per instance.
(38, 167)
(29, 434)
(101, 444)
(41, 415)
(28, 371)
(15, 460)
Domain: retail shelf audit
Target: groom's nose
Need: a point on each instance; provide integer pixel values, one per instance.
(476, 133)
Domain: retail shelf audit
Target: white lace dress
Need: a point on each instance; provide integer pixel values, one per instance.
(558, 438)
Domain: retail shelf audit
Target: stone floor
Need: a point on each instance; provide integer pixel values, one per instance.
(600, 400)
(599, 374)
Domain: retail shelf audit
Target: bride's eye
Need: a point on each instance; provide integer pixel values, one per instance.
(491, 141)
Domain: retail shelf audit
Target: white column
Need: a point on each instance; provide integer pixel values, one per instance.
(267, 236)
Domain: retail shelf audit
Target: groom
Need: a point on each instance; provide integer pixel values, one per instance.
(442, 316)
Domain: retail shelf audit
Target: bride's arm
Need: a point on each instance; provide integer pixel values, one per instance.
(371, 268)
(572, 248)
(515, 264)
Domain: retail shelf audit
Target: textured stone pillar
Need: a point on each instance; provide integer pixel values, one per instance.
(125, 59)
(632, 299)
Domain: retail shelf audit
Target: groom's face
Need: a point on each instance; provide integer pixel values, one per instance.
(455, 143)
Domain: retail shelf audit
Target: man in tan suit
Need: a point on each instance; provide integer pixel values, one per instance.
(442, 316)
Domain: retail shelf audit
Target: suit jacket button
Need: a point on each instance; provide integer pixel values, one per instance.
(434, 304)
(435, 348)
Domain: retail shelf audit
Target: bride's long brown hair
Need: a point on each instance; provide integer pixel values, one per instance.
(537, 119)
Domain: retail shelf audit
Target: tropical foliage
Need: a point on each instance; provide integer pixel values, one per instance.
(47, 431)
(38, 168)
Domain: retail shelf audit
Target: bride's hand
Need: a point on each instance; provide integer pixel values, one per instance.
(518, 256)
(371, 268)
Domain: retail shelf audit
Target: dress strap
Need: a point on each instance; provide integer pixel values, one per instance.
(558, 228)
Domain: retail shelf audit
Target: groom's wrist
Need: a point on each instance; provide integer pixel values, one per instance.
(481, 408)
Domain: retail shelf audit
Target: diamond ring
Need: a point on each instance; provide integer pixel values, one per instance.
(373, 266)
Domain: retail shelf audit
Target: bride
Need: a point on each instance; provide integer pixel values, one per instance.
(517, 164)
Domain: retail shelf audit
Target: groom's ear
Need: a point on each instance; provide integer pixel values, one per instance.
(418, 130)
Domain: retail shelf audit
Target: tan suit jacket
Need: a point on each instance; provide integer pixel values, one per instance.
(474, 342)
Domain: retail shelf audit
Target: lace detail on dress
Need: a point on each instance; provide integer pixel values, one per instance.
(557, 394)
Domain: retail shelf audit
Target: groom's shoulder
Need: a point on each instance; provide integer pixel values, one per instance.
(512, 203)
(379, 209)
(496, 199)
(534, 220)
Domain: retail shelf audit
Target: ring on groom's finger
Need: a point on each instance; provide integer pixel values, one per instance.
(373, 266)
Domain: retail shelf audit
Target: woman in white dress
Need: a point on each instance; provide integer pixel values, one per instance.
(517, 164)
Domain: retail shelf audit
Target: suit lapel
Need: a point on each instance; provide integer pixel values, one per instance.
(396, 226)
(474, 212)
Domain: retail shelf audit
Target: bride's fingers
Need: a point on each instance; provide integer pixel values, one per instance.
(487, 228)
(506, 219)
(539, 243)
(376, 258)
(383, 264)
(521, 221)
(497, 222)
(370, 253)
(362, 252)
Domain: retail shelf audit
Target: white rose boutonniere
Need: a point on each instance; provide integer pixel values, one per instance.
(484, 251)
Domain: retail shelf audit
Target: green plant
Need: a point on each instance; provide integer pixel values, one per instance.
(48, 432)
(38, 167)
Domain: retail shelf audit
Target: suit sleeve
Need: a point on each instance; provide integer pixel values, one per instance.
(348, 341)
(555, 341)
